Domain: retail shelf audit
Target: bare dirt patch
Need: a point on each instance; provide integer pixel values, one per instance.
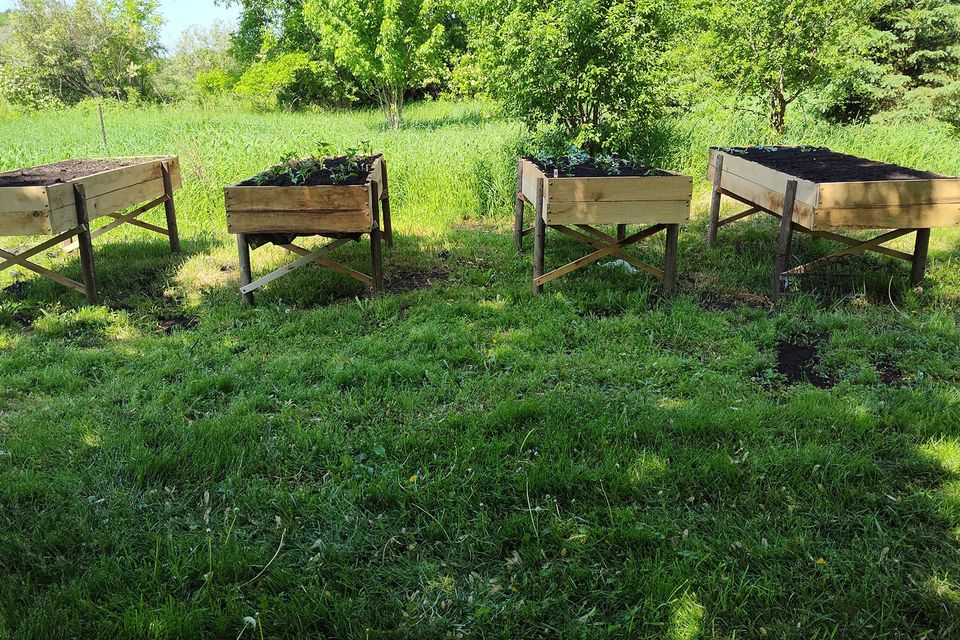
(183, 323)
(798, 357)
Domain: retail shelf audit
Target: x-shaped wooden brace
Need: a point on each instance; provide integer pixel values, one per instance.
(127, 218)
(22, 259)
(306, 258)
(605, 245)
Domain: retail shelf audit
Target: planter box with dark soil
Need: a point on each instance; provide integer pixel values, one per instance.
(62, 198)
(574, 200)
(331, 202)
(825, 191)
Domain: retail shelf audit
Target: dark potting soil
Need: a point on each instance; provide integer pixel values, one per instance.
(320, 172)
(797, 360)
(591, 170)
(819, 164)
(58, 172)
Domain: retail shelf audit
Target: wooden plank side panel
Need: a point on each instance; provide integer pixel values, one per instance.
(530, 175)
(24, 223)
(644, 212)
(945, 214)
(376, 174)
(770, 199)
(888, 193)
(325, 198)
(299, 221)
(106, 203)
(23, 199)
(807, 192)
(621, 189)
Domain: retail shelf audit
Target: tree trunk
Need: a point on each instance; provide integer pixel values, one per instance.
(778, 112)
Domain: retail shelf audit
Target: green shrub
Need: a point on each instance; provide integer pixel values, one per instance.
(289, 80)
(214, 82)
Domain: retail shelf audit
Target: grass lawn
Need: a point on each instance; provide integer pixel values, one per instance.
(458, 458)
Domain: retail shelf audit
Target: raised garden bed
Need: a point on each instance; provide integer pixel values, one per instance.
(585, 192)
(818, 191)
(62, 198)
(340, 198)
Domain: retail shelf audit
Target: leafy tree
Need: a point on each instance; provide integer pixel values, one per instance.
(913, 56)
(288, 80)
(200, 52)
(277, 25)
(591, 67)
(87, 48)
(389, 46)
(773, 50)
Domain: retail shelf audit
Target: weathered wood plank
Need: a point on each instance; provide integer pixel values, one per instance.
(310, 222)
(321, 197)
(807, 192)
(23, 199)
(651, 212)
(108, 203)
(24, 223)
(888, 193)
(897, 217)
(620, 189)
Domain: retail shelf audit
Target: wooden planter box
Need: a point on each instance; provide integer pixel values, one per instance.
(884, 204)
(65, 210)
(342, 212)
(559, 202)
(51, 209)
(821, 208)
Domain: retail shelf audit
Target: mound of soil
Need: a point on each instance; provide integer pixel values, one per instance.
(168, 323)
(797, 360)
(320, 172)
(590, 170)
(819, 164)
(58, 172)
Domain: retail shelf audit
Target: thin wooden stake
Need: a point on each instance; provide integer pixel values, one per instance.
(387, 224)
(376, 251)
(712, 225)
(539, 239)
(621, 232)
(86, 245)
(670, 260)
(518, 209)
(782, 256)
(169, 208)
(920, 248)
(246, 274)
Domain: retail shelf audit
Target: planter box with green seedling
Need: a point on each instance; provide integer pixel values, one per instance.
(339, 196)
(578, 190)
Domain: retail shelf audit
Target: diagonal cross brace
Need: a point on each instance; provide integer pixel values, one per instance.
(868, 245)
(608, 249)
(130, 217)
(330, 264)
(293, 266)
(600, 243)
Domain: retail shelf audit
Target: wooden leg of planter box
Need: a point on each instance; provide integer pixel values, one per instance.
(387, 224)
(539, 238)
(714, 222)
(85, 242)
(670, 260)
(246, 273)
(169, 209)
(518, 209)
(621, 232)
(782, 256)
(376, 250)
(919, 263)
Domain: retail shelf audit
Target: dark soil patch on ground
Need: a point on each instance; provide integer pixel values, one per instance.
(184, 323)
(798, 358)
(590, 170)
(17, 289)
(315, 171)
(402, 281)
(58, 172)
(819, 164)
(716, 302)
(890, 374)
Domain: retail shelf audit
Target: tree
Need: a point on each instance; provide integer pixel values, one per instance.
(388, 46)
(90, 48)
(199, 52)
(591, 67)
(774, 50)
(912, 60)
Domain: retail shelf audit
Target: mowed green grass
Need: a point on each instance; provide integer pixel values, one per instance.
(463, 459)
